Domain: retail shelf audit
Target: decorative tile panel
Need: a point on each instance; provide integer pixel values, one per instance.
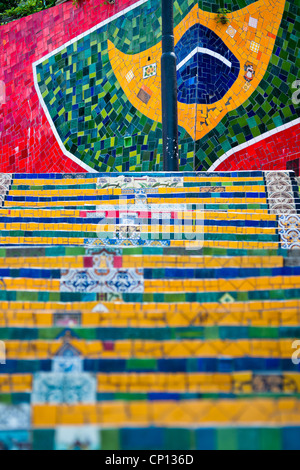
(5, 181)
(289, 231)
(280, 193)
(64, 388)
(15, 417)
(102, 280)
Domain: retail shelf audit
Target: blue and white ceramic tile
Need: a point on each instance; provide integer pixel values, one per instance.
(280, 192)
(102, 280)
(77, 438)
(15, 440)
(289, 231)
(15, 417)
(64, 388)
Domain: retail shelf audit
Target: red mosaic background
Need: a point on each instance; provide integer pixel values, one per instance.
(272, 153)
(27, 143)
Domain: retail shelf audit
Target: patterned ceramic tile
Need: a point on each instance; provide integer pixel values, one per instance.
(67, 365)
(5, 181)
(125, 242)
(15, 440)
(129, 76)
(231, 31)
(66, 319)
(280, 193)
(289, 230)
(149, 70)
(127, 182)
(15, 417)
(77, 438)
(253, 22)
(63, 388)
(104, 258)
(254, 46)
(102, 280)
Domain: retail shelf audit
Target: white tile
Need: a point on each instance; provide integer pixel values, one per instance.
(253, 22)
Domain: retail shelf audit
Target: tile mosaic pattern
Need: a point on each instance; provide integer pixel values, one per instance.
(64, 388)
(210, 66)
(102, 281)
(106, 127)
(161, 438)
(216, 69)
(15, 417)
(130, 182)
(136, 341)
(289, 231)
(280, 193)
(5, 181)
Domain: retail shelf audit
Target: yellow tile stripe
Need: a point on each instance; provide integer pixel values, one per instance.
(46, 262)
(123, 307)
(241, 382)
(53, 182)
(186, 315)
(16, 383)
(118, 191)
(16, 284)
(36, 241)
(281, 412)
(222, 285)
(29, 319)
(193, 215)
(150, 261)
(167, 285)
(94, 228)
(125, 349)
(84, 181)
(200, 262)
(150, 200)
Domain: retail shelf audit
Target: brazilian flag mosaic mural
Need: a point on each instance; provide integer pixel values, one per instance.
(101, 91)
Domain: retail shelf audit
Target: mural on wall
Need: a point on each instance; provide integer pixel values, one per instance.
(210, 65)
(100, 89)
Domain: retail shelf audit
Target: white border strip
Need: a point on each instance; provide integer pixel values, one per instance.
(203, 50)
(252, 142)
(55, 51)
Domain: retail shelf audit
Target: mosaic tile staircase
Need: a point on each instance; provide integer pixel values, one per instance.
(128, 331)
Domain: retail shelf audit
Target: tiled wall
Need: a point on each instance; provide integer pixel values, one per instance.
(80, 87)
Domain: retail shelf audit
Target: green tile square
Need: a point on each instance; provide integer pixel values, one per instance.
(43, 439)
(227, 439)
(177, 439)
(248, 439)
(110, 439)
(270, 439)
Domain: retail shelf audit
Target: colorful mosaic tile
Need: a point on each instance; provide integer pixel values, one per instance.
(141, 309)
(101, 114)
(289, 226)
(280, 193)
(103, 281)
(149, 323)
(63, 388)
(5, 181)
(16, 417)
